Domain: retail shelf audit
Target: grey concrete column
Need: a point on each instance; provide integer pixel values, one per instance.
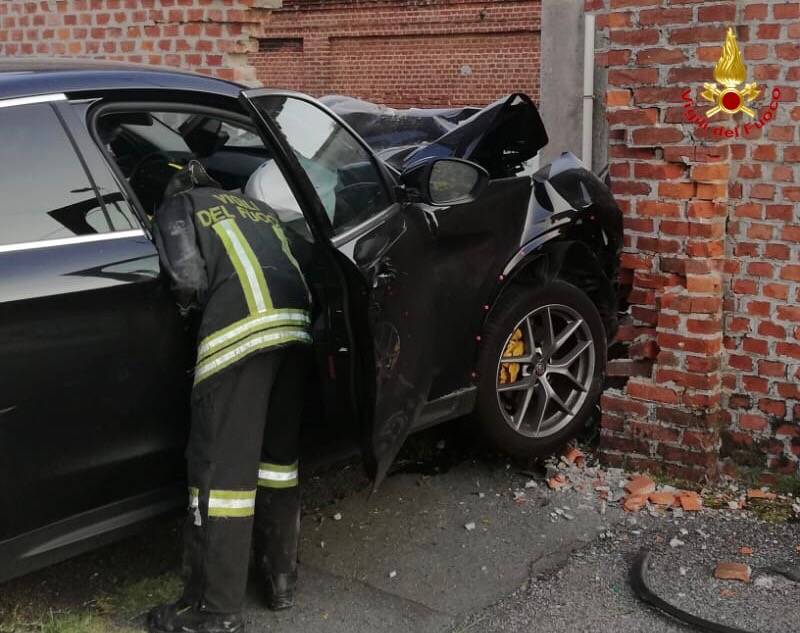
(561, 77)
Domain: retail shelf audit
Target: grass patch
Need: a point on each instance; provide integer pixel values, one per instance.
(777, 511)
(138, 597)
(65, 623)
(111, 613)
(788, 485)
(664, 479)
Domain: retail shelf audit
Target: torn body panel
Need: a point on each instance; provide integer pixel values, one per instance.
(562, 218)
(502, 138)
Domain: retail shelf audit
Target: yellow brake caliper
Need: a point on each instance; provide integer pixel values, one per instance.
(509, 372)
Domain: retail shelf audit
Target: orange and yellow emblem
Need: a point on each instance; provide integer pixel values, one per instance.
(731, 73)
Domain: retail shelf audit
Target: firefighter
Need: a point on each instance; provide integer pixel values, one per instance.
(228, 256)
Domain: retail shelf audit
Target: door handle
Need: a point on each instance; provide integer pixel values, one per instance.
(383, 279)
(384, 275)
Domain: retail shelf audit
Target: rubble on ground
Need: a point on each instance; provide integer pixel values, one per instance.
(638, 492)
(732, 571)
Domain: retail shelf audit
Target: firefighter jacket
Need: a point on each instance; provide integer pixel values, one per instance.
(228, 255)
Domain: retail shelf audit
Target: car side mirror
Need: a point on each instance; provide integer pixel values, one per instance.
(444, 182)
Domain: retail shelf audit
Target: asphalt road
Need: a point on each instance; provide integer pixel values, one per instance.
(426, 551)
(592, 592)
(455, 541)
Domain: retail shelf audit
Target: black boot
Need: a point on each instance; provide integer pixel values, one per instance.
(276, 534)
(184, 617)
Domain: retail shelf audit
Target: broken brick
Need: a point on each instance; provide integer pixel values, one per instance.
(732, 571)
(662, 498)
(640, 485)
(574, 456)
(755, 493)
(557, 482)
(690, 501)
(746, 551)
(634, 503)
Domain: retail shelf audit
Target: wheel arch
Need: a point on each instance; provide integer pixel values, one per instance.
(572, 261)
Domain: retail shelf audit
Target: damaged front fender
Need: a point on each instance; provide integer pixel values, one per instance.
(572, 261)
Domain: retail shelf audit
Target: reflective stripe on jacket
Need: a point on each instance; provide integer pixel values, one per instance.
(229, 256)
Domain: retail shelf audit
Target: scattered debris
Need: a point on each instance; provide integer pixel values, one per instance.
(732, 571)
(757, 493)
(764, 582)
(531, 484)
(676, 542)
(634, 503)
(575, 456)
(662, 498)
(337, 516)
(576, 471)
(392, 574)
(690, 501)
(558, 481)
(746, 551)
(469, 526)
(645, 593)
(683, 571)
(640, 485)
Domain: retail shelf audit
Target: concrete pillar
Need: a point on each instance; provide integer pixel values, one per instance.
(561, 82)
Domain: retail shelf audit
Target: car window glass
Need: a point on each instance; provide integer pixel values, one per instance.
(161, 136)
(239, 137)
(232, 154)
(341, 170)
(46, 194)
(118, 209)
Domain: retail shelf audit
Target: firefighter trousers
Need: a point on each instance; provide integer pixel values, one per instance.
(242, 460)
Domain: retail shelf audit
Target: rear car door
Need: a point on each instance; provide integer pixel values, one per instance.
(91, 346)
(384, 250)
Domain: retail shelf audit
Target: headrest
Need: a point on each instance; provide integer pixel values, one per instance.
(191, 176)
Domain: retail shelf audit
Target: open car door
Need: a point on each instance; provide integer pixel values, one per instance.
(383, 252)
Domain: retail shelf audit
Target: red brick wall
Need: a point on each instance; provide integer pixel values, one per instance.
(403, 52)
(200, 35)
(712, 248)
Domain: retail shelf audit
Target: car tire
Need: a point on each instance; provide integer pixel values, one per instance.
(516, 409)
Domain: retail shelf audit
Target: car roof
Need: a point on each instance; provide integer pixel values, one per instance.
(24, 77)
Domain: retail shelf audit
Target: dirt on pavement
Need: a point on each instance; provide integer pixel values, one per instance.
(455, 540)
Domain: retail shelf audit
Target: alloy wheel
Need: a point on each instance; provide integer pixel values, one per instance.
(545, 370)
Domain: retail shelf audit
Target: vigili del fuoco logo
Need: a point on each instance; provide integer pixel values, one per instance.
(729, 95)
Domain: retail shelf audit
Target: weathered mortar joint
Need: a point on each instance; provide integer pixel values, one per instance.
(709, 245)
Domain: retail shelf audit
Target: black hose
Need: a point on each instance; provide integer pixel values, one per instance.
(646, 594)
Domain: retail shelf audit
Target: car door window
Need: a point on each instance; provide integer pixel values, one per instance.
(342, 171)
(234, 155)
(46, 193)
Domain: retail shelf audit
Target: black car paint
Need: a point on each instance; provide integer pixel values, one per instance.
(395, 275)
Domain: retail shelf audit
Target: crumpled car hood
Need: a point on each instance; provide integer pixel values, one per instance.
(500, 137)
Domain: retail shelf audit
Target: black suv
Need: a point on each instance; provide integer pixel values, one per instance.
(451, 277)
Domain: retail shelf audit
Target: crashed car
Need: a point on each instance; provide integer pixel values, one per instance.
(451, 279)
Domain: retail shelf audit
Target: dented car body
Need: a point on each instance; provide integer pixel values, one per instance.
(429, 239)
